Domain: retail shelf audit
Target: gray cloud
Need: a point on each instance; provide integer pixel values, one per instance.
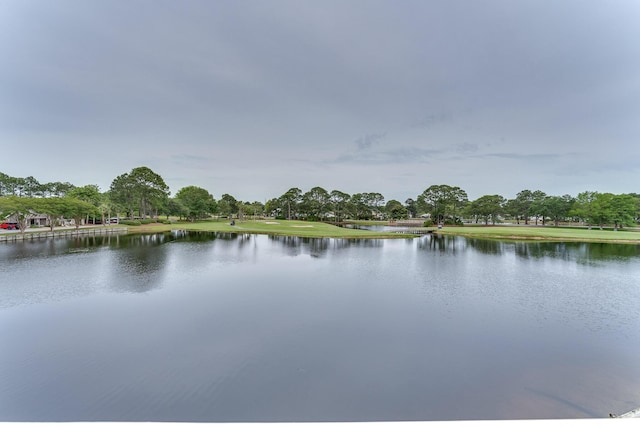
(224, 91)
(369, 140)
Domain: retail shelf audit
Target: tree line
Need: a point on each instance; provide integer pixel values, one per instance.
(142, 193)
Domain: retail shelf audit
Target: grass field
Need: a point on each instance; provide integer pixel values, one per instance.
(544, 233)
(319, 230)
(273, 227)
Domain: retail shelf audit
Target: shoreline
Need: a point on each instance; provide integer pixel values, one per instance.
(308, 229)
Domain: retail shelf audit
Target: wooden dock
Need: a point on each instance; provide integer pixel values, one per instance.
(38, 235)
(416, 232)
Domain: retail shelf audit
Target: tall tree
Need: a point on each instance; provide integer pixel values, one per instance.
(339, 201)
(228, 205)
(52, 207)
(6, 185)
(290, 201)
(88, 193)
(141, 188)
(198, 202)
(359, 206)
(583, 206)
(412, 208)
(272, 208)
(31, 187)
(375, 202)
(556, 207)
(315, 203)
(439, 200)
(537, 206)
(488, 208)
(523, 202)
(395, 210)
(78, 209)
(624, 210)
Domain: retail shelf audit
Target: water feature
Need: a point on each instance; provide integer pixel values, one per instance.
(222, 327)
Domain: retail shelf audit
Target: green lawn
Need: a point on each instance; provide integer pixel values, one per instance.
(273, 227)
(319, 229)
(544, 233)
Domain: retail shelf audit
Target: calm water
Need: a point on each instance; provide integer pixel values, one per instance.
(205, 327)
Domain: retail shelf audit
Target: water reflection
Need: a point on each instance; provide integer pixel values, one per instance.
(578, 252)
(319, 247)
(441, 244)
(232, 327)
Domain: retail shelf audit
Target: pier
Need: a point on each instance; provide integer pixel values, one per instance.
(417, 232)
(37, 235)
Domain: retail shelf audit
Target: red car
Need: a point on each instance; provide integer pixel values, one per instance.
(10, 225)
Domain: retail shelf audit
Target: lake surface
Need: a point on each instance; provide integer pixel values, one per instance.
(214, 327)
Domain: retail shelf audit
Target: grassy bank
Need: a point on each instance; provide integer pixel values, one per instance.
(319, 230)
(544, 233)
(273, 227)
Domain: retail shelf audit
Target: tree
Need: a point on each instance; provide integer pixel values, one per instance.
(583, 206)
(395, 210)
(537, 207)
(315, 203)
(458, 201)
(375, 202)
(53, 207)
(412, 208)
(290, 201)
(339, 202)
(31, 187)
(359, 207)
(106, 207)
(6, 187)
(19, 208)
(512, 209)
(227, 205)
(487, 208)
(602, 212)
(272, 208)
(141, 188)
(174, 207)
(198, 202)
(77, 209)
(438, 200)
(60, 189)
(256, 208)
(88, 193)
(555, 207)
(522, 205)
(624, 210)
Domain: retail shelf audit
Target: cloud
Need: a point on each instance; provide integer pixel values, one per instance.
(388, 156)
(240, 88)
(367, 141)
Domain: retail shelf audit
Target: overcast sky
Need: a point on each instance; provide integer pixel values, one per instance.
(252, 98)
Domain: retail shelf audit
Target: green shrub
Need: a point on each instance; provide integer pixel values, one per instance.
(130, 222)
(428, 223)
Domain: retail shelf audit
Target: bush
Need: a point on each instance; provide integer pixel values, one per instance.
(130, 222)
(428, 223)
(450, 221)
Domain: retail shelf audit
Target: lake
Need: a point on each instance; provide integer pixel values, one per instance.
(221, 327)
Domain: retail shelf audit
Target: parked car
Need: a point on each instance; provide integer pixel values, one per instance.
(10, 226)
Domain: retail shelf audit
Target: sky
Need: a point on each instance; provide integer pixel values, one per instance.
(251, 98)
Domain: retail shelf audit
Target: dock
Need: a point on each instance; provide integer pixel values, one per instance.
(416, 232)
(38, 235)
